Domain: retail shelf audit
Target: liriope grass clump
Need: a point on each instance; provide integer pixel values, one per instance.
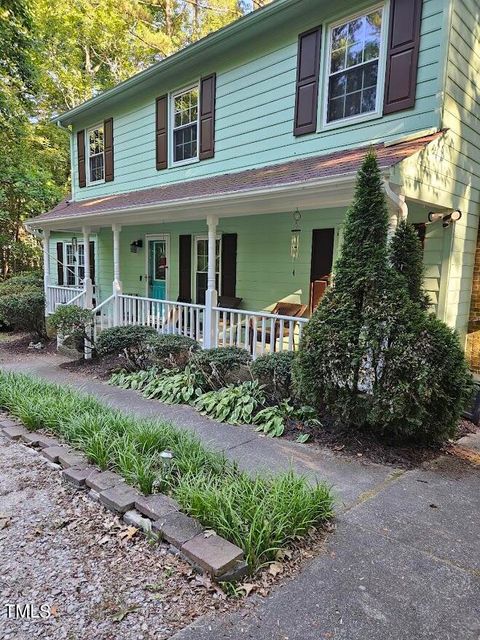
(260, 514)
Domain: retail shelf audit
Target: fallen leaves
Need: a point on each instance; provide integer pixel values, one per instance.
(128, 533)
(275, 568)
(123, 613)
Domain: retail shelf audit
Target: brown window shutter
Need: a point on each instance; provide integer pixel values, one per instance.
(82, 176)
(108, 147)
(161, 132)
(229, 265)
(207, 117)
(91, 249)
(185, 268)
(402, 55)
(306, 92)
(60, 280)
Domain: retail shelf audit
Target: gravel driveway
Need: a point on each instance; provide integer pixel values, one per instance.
(101, 580)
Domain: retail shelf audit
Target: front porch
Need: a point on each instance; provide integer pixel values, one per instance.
(231, 281)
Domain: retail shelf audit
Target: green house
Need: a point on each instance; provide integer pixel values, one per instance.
(209, 191)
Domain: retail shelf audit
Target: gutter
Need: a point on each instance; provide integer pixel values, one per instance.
(171, 61)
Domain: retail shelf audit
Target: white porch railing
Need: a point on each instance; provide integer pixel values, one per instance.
(257, 332)
(57, 295)
(165, 316)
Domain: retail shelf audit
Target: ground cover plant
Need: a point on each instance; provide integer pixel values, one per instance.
(260, 514)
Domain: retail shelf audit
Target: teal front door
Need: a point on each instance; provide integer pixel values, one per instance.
(157, 268)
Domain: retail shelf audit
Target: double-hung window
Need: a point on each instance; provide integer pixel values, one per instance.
(184, 109)
(74, 265)
(355, 52)
(96, 155)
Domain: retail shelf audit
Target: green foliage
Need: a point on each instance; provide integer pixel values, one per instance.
(175, 388)
(72, 322)
(132, 342)
(171, 350)
(222, 365)
(24, 310)
(271, 420)
(274, 370)
(406, 256)
(369, 353)
(234, 404)
(26, 279)
(136, 380)
(261, 515)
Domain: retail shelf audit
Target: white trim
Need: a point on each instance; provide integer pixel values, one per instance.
(152, 237)
(100, 125)
(324, 125)
(171, 120)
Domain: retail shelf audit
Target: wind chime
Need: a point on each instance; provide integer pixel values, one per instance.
(295, 238)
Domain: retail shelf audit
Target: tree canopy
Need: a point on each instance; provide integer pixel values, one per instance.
(55, 55)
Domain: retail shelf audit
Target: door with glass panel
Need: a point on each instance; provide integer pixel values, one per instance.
(158, 268)
(201, 268)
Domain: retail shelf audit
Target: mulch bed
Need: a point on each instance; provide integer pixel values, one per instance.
(100, 368)
(353, 442)
(16, 344)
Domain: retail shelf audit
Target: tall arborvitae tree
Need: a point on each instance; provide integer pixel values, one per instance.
(406, 256)
(370, 356)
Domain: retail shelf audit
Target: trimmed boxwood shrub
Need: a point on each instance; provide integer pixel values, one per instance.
(171, 351)
(223, 365)
(132, 342)
(274, 370)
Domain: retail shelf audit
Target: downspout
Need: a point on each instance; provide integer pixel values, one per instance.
(398, 201)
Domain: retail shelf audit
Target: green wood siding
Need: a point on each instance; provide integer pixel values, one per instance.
(254, 112)
(264, 267)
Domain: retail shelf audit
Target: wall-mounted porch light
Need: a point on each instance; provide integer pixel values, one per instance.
(295, 238)
(136, 245)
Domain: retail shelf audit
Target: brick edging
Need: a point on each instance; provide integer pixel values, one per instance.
(155, 514)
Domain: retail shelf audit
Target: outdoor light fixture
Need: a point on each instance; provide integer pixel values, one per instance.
(447, 218)
(295, 237)
(136, 245)
(166, 457)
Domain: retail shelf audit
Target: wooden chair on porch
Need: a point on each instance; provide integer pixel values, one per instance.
(291, 309)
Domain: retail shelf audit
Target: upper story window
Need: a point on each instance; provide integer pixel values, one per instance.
(184, 109)
(355, 53)
(96, 154)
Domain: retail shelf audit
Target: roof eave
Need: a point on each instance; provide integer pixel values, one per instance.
(201, 203)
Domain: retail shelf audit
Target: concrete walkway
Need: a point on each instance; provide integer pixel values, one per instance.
(404, 563)
(351, 478)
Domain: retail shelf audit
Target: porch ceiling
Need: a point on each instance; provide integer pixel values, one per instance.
(309, 183)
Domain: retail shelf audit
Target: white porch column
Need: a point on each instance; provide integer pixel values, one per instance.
(87, 281)
(117, 285)
(211, 293)
(46, 268)
(397, 208)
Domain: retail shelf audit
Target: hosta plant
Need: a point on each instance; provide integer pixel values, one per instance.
(236, 404)
(175, 388)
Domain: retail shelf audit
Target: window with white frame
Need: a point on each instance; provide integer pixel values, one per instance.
(184, 109)
(74, 264)
(353, 66)
(201, 267)
(96, 154)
